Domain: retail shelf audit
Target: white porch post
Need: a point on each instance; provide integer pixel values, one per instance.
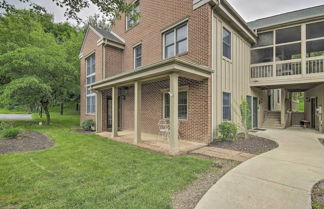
(137, 111)
(174, 91)
(98, 111)
(283, 108)
(114, 111)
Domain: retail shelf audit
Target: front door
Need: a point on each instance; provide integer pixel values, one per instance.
(109, 113)
(255, 112)
(313, 112)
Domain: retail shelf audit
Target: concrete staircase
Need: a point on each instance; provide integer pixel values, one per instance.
(272, 120)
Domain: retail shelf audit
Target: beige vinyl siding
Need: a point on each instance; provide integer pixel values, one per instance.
(232, 76)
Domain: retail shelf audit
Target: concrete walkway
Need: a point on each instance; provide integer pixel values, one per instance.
(279, 179)
(16, 117)
(223, 153)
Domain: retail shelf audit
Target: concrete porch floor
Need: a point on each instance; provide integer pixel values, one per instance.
(153, 142)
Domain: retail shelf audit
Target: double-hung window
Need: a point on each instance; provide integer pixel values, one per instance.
(91, 78)
(227, 43)
(182, 105)
(227, 115)
(176, 41)
(138, 56)
(130, 21)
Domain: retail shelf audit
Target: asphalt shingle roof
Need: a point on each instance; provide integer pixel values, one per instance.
(108, 35)
(287, 17)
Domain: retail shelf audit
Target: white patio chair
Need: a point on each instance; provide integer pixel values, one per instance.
(164, 129)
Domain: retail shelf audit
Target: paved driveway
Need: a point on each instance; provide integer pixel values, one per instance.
(15, 117)
(279, 179)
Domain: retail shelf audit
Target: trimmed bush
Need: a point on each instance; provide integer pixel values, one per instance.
(87, 125)
(228, 131)
(10, 133)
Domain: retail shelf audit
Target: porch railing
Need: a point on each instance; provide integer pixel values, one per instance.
(314, 65)
(262, 71)
(289, 68)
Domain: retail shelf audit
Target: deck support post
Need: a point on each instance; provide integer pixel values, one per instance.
(174, 126)
(137, 111)
(283, 108)
(114, 112)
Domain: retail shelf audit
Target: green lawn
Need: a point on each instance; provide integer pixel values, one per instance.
(88, 171)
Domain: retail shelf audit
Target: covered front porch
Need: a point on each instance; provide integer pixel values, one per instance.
(153, 142)
(145, 105)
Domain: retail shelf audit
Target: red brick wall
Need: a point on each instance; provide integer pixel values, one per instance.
(157, 15)
(114, 61)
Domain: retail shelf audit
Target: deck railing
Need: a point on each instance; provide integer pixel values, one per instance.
(290, 68)
(284, 69)
(314, 65)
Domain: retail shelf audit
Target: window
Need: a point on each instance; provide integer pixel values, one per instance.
(227, 106)
(182, 105)
(315, 48)
(227, 39)
(288, 35)
(138, 56)
(315, 30)
(288, 52)
(264, 39)
(130, 22)
(91, 78)
(262, 55)
(176, 41)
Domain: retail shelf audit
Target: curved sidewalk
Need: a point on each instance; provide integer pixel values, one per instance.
(279, 179)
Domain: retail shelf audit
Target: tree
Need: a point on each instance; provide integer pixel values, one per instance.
(29, 91)
(112, 9)
(31, 45)
(245, 117)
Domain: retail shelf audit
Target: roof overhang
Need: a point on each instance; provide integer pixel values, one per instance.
(223, 8)
(156, 71)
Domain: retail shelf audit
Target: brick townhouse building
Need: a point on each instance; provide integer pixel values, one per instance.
(193, 62)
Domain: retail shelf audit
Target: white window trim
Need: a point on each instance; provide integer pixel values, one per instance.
(165, 92)
(126, 17)
(134, 55)
(174, 29)
(231, 48)
(230, 93)
(87, 85)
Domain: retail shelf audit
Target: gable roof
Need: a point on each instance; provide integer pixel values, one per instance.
(109, 35)
(288, 17)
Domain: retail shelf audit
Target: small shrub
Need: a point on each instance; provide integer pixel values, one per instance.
(228, 131)
(10, 133)
(4, 125)
(87, 125)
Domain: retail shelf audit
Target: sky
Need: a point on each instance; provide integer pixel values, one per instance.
(249, 9)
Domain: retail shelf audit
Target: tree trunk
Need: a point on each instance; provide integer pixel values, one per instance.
(61, 108)
(41, 112)
(48, 116)
(77, 107)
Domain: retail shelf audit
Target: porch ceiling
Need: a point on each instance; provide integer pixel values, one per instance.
(292, 87)
(154, 71)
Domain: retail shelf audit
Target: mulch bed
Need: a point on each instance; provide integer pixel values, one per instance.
(25, 142)
(189, 197)
(318, 195)
(252, 145)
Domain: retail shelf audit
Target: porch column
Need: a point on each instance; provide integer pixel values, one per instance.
(283, 108)
(137, 111)
(98, 111)
(114, 111)
(174, 91)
